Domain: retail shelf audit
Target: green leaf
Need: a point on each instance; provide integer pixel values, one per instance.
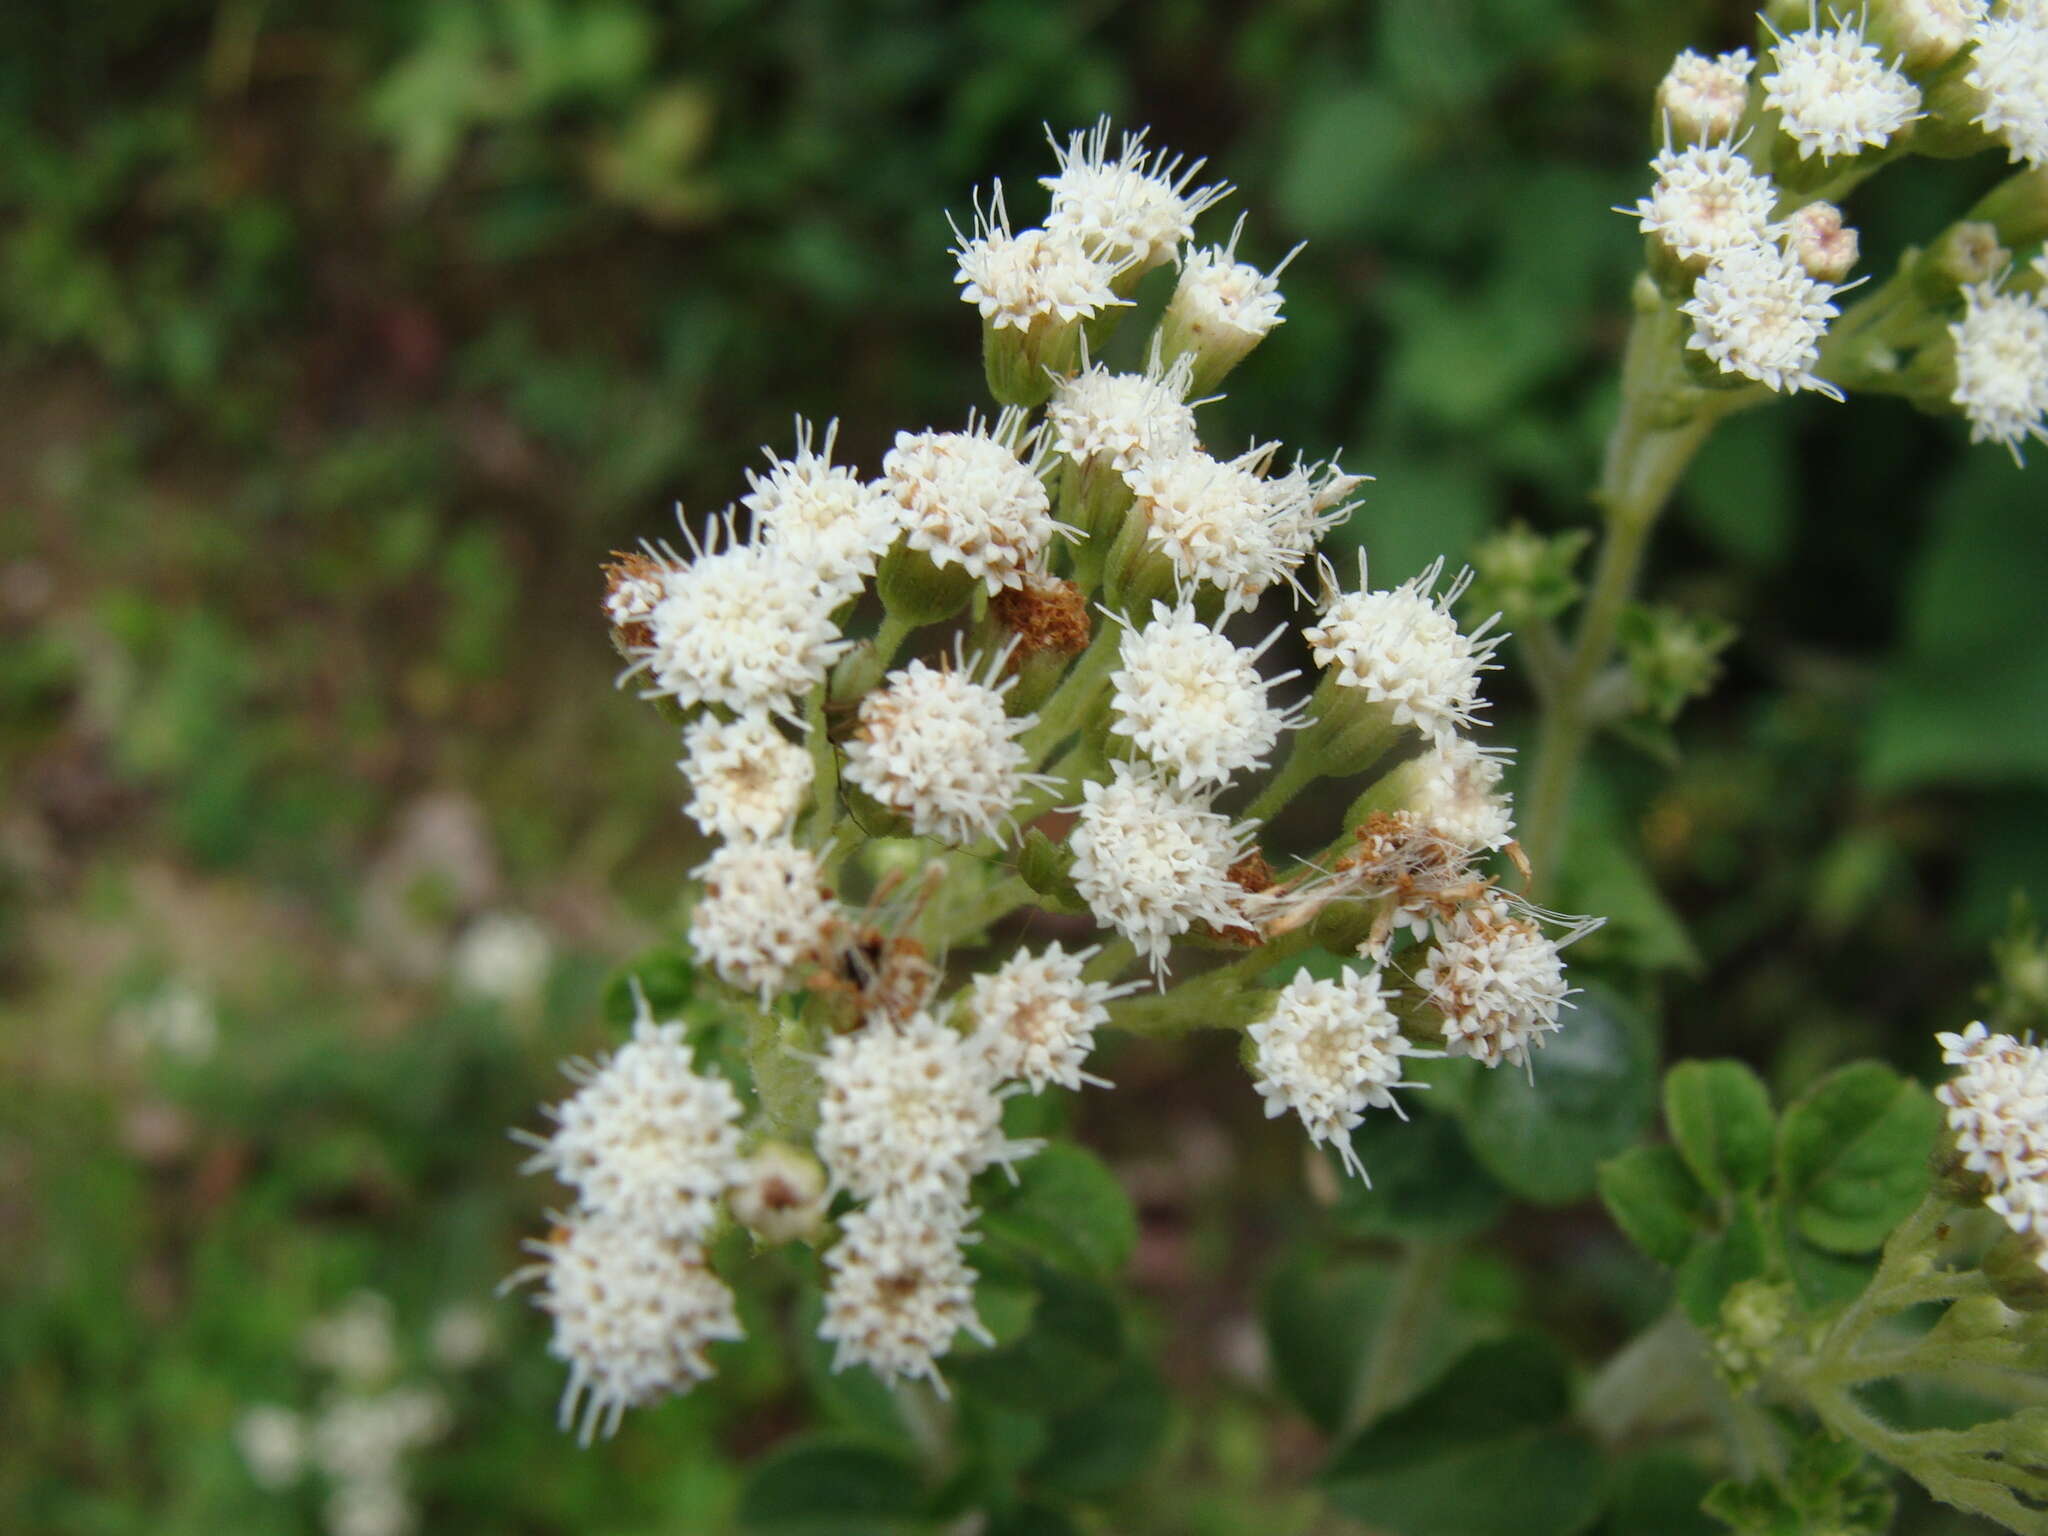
(1592, 1094)
(830, 1485)
(1067, 1206)
(1654, 1199)
(1719, 1113)
(1719, 1263)
(1658, 1493)
(1318, 1313)
(1485, 1451)
(1425, 1181)
(1071, 1351)
(663, 976)
(1852, 1155)
(1107, 1441)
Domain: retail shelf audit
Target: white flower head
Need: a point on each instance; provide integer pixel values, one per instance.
(1997, 1109)
(1133, 209)
(1756, 312)
(909, 1111)
(1193, 702)
(359, 1438)
(1704, 98)
(1152, 862)
(357, 1341)
(1931, 32)
(374, 1506)
(272, 1440)
(1707, 200)
(1497, 980)
(646, 1138)
(822, 514)
(2009, 72)
(504, 957)
(1402, 648)
(1459, 795)
(1222, 307)
(747, 780)
(1034, 1017)
(899, 1290)
(1038, 277)
(1307, 502)
(1329, 1051)
(763, 913)
(745, 624)
(1834, 93)
(969, 499)
(1117, 420)
(634, 1313)
(937, 745)
(2002, 366)
(1216, 523)
(1821, 242)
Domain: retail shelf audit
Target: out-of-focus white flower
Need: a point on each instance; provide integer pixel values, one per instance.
(1152, 862)
(763, 913)
(779, 1193)
(1997, 1108)
(1707, 199)
(463, 1336)
(1193, 702)
(1928, 33)
(1034, 1017)
(1703, 99)
(899, 1290)
(969, 499)
(1133, 209)
(1756, 312)
(272, 1440)
(1834, 93)
(747, 780)
(176, 1019)
(909, 1112)
(634, 1313)
(2002, 366)
(2009, 71)
(1329, 1051)
(503, 957)
(356, 1341)
(646, 1138)
(938, 745)
(1497, 980)
(1403, 649)
(360, 1438)
(369, 1507)
(822, 514)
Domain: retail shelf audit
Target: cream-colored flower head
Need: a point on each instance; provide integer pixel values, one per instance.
(1497, 981)
(763, 915)
(1329, 1051)
(938, 745)
(2002, 366)
(1034, 277)
(1834, 94)
(1459, 796)
(1216, 522)
(822, 514)
(2009, 71)
(1703, 99)
(1402, 648)
(1133, 208)
(1151, 862)
(1707, 200)
(634, 1313)
(1757, 313)
(1193, 702)
(899, 1291)
(1034, 1017)
(1221, 308)
(1115, 421)
(974, 499)
(747, 779)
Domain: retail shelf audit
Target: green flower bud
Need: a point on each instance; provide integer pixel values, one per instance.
(2013, 1266)
(915, 591)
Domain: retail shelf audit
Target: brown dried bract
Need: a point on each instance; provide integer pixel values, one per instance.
(624, 567)
(1045, 614)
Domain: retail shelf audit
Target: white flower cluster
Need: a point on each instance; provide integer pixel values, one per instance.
(359, 1437)
(2008, 71)
(2001, 346)
(888, 797)
(1998, 1116)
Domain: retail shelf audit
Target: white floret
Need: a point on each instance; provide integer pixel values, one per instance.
(1036, 277)
(1152, 862)
(1704, 98)
(1216, 523)
(747, 780)
(1193, 702)
(1134, 208)
(1034, 1017)
(1222, 307)
(1497, 981)
(1115, 421)
(1707, 200)
(646, 1138)
(634, 1313)
(969, 500)
(1460, 796)
(764, 912)
(899, 1291)
(1329, 1051)
(1402, 648)
(822, 514)
(1834, 93)
(746, 625)
(1757, 313)
(911, 1112)
(2002, 366)
(2009, 72)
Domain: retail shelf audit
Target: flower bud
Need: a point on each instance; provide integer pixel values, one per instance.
(1754, 1317)
(1821, 242)
(917, 591)
(1702, 100)
(2014, 1266)
(1527, 575)
(1221, 308)
(779, 1194)
(1966, 252)
(1923, 34)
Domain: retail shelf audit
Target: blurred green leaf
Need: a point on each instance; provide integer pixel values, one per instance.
(1658, 1493)
(1318, 1312)
(825, 1485)
(1853, 1155)
(1343, 153)
(1066, 1206)
(1425, 1181)
(1654, 1199)
(1720, 1262)
(1719, 1113)
(1107, 1441)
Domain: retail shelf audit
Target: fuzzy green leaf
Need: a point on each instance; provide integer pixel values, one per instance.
(1654, 1199)
(1068, 1207)
(1720, 1116)
(1852, 1155)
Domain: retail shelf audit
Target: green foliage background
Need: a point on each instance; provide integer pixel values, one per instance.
(338, 344)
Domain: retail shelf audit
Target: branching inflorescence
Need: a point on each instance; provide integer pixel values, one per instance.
(991, 772)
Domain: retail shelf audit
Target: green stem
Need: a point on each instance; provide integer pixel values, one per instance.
(824, 769)
(1389, 1364)
(1070, 702)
